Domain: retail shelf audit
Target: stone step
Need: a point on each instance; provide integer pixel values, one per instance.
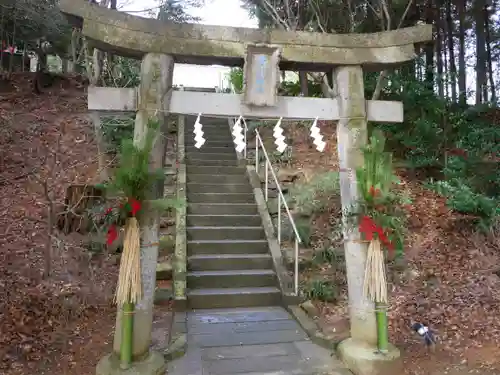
(219, 262)
(207, 169)
(212, 142)
(224, 220)
(222, 209)
(211, 150)
(197, 155)
(224, 233)
(227, 247)
(233, 297)
(210, 127)
(231, 279)
(220, 197)
(218, 137)
(203, 162)
(217, 179)
(214, 131)
(210, 135)
(194, 187)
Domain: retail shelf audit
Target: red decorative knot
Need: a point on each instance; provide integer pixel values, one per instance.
(369, 228)
(135, 206)
(112, 235)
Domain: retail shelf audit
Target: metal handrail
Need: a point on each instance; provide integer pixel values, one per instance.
(281, 197)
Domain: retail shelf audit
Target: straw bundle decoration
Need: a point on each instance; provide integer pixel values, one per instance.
(375, 284)
(129, 288)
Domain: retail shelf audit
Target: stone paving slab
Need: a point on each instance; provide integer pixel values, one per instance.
(238, 315)
(286, 363)
(245, 338)
(254, 351)
(226, 328)
(251, 341)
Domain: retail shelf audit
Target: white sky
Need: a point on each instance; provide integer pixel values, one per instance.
(215, 12)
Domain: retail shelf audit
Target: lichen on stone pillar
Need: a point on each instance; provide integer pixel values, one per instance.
(351, 137)
(154, 94)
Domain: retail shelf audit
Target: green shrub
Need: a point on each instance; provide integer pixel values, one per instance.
(116, 130)
(321, 290)
(312, 197)
(236, 79)
(461, 198)
(304, 228)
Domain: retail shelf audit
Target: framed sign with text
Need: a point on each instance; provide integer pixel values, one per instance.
(261, 75)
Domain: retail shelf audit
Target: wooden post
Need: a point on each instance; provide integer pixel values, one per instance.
(153, 103)
(351, 137)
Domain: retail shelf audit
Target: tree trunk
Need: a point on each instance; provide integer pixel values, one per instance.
(429, 49)
(445, 66)
(304, 86)
(102, 161)
(462, 71)
(488, 55)
(480, 51)
(451, 52)
(73, 54)
(439, 56)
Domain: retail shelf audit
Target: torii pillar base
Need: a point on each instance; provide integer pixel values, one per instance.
(363, 359)
(154, 364)
(359, 352)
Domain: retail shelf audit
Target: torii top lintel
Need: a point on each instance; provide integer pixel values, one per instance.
(134, 36)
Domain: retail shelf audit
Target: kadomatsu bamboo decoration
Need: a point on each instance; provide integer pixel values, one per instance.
(135, 181)
(380, 222)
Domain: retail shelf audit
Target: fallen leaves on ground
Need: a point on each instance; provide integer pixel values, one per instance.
(46, 322)
(449, 281)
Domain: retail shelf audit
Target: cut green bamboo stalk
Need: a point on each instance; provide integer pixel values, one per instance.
(127, 335)
(382, 328)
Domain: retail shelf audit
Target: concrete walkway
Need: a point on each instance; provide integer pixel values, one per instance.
(251, 341)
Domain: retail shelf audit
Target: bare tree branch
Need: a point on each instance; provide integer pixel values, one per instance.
(383, 73)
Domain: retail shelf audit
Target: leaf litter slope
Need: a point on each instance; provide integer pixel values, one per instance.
(449, 280)
(47, 324)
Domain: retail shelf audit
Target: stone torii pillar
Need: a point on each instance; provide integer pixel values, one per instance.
(359, 352)
(153, 99)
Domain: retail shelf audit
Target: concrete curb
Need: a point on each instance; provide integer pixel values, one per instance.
(178, 337)
(177, 348)
(164, 271)
(312, 329)
(180, 253)
(286, 282)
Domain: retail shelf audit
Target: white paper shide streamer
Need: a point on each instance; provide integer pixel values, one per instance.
(198, 133)
(239, 138)
(279, 137)
(317, 137)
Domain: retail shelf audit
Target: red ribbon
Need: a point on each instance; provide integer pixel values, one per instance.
(112, 235)
(369, 228)
(134, 205)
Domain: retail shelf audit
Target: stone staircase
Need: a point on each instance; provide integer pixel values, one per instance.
(229, 262)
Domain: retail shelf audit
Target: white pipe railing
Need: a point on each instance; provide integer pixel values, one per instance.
(281, 198)
(281, 201)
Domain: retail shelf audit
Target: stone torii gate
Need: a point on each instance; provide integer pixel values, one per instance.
(262, 53)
